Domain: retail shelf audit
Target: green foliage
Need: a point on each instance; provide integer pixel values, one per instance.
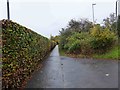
(111, 54)
(85, 38)
(83, 25)
(55, 39)
(78, 43)
(102, 40)
(74, 47)
(22, 51)
(97, 40)
(65, 33)
(110, 22)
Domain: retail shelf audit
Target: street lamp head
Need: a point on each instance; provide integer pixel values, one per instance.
(94, 4)
(117, 0)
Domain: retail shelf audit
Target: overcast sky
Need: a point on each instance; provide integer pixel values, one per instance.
(47, 17)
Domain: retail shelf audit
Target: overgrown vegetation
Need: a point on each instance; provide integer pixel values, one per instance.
(85, 38)
(55, 39)
(111, 54)
(22, 51)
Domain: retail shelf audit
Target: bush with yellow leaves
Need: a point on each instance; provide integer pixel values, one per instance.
(102, 39)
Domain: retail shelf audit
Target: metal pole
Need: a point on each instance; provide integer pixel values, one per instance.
(117, 19)
(116, 9)
(93, 13)
(8, 10)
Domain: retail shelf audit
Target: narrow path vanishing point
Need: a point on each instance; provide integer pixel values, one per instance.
(64, 72)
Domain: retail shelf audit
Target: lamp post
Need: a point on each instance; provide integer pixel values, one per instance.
(116, 9)
(93, 12)
(8, 10)
(117, 17)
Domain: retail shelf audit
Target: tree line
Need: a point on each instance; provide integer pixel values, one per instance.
(84, 37)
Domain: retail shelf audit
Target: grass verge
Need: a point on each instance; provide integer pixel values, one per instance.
(112, 54)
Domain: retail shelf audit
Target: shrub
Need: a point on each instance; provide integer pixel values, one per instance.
(102, 40)
(63, 37)
(85, 46)
(75, 47)
(97, 41)
(85, 38)
(78, 43)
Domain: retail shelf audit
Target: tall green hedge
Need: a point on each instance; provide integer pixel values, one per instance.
(22, 51)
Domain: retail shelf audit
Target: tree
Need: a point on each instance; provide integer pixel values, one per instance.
(82, 25)
(110, 22)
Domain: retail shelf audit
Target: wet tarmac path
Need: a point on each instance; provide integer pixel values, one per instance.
(64, 72)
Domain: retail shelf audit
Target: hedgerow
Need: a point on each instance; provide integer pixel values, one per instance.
(22, 51)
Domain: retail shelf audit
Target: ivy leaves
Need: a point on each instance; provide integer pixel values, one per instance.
(22, 51)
